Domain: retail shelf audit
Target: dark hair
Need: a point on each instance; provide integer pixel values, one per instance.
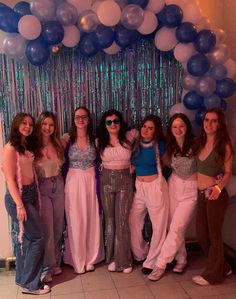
(73, 131)
(103, 134)
(55, 137)
(221, 138)
(172, 145)
(15, 136)
(158, 131)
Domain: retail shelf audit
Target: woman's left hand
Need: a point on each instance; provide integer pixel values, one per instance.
(214, 193)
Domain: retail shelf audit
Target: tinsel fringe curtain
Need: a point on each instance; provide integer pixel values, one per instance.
(137, 81)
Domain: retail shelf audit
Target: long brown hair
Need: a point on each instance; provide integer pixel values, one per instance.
(15, 135)
(221, 138)
(55, 137)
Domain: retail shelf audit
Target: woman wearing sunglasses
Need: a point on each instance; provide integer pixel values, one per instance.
(83, 242)
(116, 186)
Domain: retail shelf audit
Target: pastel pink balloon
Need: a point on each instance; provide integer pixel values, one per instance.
(165, 39)
(109, 13)
(113, 49)
(183, 52)
(71, 36)
(81, 5)
(155, 6)
(149, 23)
(231, 67)
(29, 27)
(191, 13)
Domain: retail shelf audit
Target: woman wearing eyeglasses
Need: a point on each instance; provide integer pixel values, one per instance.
(83, 243)
(116, 186)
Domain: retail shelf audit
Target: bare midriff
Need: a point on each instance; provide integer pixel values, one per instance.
(117, 167)
(205, 181)
(147, 178)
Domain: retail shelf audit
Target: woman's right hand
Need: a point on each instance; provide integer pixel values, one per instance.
(21, 213)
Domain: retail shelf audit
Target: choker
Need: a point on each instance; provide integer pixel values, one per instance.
(146, 142)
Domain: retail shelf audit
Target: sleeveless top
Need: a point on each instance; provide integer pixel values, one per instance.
(116, 155)
(184, 167)
(210, 166)
(145, 162)
(46, 167)
(81, 159)
(26, 166)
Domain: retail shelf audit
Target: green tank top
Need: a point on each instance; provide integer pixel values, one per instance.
(210, 166)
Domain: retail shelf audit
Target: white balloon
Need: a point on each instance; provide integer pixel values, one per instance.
(183, 52)
(81, 5)
(14, 45)
(165, 39)
(149, 23)
(231, 67)
(191, 13)
(180, 108)
(220, 35)
(109, 13)
(29, 27)
(71, 36)
(155, 6)
(113, 49)
(231, 186)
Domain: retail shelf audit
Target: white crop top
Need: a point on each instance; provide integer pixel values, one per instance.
(116, 155)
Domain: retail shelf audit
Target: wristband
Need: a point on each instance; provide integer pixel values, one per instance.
(217, 188)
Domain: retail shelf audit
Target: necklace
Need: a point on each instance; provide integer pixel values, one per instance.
(146, 141)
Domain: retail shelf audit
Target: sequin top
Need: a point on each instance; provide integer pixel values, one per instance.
(81, 159)
(184, 167)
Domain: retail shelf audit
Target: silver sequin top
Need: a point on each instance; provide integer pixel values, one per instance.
(184, 167)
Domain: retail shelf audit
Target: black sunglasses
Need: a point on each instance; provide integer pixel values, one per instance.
(115, 121)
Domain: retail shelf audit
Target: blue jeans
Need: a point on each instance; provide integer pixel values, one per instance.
(52, 218)
(29, 254)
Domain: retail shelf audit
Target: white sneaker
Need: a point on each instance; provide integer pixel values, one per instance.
(128, 270)
(179, 268)
(47, 277)
(200, 280)
(90, 268)
(112, 267)
(156, 274)
(57, 270)
(43, 290)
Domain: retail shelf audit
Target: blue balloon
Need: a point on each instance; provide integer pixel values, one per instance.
(225, 88)
(125, 37)
(192, 100)
(171, 16)
(218, 72)
(199, 115)
(37, 52)
(205, 41)
(3, 5)
(223, 105)
(142, 3)
(87, 45)
(212, 101)
(104, 36)
(9, 20)
(52, 32)
(198, 65)
(22, 8)
(186, 32)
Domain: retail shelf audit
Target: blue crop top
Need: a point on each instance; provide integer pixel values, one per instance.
(145, 162)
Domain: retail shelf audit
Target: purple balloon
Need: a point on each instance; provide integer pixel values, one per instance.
(206, 86)
(198, 65)
(205, 41)
(171, 16)
(212, 101)
(218, 72)
(225, 88)
(199, 115)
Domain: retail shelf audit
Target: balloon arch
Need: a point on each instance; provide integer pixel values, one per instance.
(35, 30)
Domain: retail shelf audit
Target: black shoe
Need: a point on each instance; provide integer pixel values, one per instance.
(135, 262)
(146, 271)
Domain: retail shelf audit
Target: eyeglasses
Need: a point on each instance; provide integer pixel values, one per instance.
(81, 117)
(115, 121)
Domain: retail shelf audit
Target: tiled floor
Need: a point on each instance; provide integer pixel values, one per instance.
(102, 284)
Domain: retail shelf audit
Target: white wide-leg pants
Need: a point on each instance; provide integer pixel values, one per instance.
(151, 197)
(183, 200)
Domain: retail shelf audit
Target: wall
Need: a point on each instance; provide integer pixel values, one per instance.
(222, 14)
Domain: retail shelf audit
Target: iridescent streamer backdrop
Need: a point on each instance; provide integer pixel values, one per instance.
(137, 81)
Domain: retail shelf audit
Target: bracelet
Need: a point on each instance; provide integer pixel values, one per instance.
(217, 188)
